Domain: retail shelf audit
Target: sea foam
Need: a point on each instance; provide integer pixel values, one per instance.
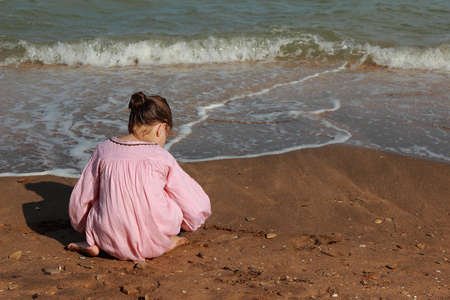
(411, 58)
(102, 52)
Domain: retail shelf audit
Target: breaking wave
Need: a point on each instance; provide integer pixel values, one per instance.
(102, 52)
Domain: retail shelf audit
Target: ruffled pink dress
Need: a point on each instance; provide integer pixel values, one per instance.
(132, 197)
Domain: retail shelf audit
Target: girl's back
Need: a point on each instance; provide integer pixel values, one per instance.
(132, 197)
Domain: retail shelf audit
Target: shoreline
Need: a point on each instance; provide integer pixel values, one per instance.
(60, 172)
(349, 222)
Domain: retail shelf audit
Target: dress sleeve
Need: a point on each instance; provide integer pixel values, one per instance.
(189, 196)
(85, 193)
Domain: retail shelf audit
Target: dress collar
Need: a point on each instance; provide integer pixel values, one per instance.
(130, 143)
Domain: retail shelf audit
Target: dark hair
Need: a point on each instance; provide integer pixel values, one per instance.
(148, 110)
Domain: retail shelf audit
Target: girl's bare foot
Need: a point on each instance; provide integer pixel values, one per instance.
(83, 247)
(176, 242)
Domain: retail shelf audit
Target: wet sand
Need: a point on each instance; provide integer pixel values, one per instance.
(337, 221)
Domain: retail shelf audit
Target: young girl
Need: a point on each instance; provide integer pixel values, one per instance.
(133, 197)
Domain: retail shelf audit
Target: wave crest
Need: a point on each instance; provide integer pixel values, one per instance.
(111, 53)
(411, 58)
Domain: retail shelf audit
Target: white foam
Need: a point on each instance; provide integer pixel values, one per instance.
(336, 106)
(423, 151)
(186, 129)
(102, 52)
(106, 53)
(213, 106)
(294, 82)
(411, 58)
(68, 173)
(345, 136)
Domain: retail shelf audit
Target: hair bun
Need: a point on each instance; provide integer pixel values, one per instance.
(137, 101)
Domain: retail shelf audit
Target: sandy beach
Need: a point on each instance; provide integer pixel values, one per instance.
(332, 222)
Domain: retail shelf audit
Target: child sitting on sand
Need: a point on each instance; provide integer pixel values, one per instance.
(133, 197)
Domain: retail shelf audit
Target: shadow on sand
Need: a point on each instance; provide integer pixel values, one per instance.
(50, 217)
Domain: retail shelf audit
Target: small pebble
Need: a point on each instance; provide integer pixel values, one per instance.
(378, 221)
(12, 287)
(87, 265)
(129, 290)
(140, 265)
(392, 266)
(16, 255)
(48, 271)
(250, 219)
(362, 246)
(420, 246)
(271, 235)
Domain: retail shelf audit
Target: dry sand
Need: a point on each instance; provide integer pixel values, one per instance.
(350, 223)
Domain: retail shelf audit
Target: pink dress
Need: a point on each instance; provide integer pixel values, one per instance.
(132, 197)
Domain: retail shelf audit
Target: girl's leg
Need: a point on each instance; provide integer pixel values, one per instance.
(176, 242)
(83, 247)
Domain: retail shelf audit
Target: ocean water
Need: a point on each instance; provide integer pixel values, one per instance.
(243, 78)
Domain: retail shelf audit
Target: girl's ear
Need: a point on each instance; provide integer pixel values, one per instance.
(160, 129)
